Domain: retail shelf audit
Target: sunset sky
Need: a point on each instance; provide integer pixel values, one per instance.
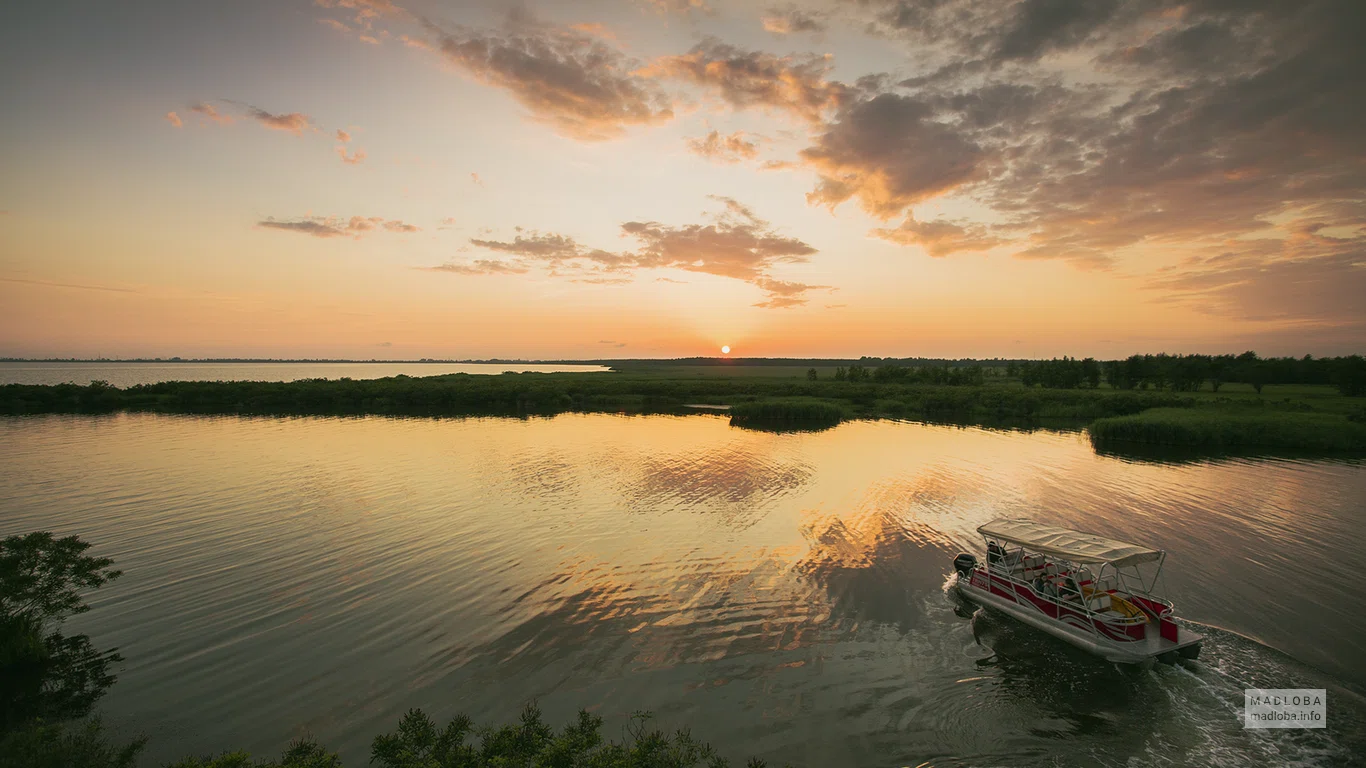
(658, 178)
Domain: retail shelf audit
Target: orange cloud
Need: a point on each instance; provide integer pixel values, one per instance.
(940, 238)
(792, 20)
(482, 267)
(174, 119)
(736, 244)
(209, 112)
(725, 149)
(332, 226)
(293, 122)
(743, 79)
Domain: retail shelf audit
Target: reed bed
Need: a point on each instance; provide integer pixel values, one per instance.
(1233, 428)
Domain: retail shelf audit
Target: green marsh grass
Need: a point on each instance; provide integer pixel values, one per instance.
(799, 411)
(1223, 428)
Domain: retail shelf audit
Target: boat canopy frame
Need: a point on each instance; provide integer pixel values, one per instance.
(1066, 544)
(1082, 549)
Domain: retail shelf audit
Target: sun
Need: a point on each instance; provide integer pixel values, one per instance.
(725, 350)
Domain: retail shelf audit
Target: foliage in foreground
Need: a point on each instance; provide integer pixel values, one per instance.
(1231, 428)
(40, 744)
(420, 743)
(44, 674)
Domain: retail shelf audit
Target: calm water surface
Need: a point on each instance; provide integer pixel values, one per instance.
(782, 595)
(129, 374)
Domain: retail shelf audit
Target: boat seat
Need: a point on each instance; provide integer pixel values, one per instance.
(1125, 608)
(1100, 603)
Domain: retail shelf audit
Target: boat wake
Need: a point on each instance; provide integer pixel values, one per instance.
(1041, 689)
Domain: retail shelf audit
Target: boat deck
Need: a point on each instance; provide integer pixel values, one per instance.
(1152, 646)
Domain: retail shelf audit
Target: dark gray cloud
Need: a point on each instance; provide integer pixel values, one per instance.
(889, 152)
(1229, 135)
(1040, 26)
(572, 80)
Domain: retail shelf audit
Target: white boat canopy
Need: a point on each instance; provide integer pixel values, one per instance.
(1074, 546)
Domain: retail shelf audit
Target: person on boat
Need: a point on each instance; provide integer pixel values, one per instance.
(1070, 590)
(1045, 586)
(994, 553)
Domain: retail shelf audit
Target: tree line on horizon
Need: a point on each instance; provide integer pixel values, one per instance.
(1176, 373)
(1189, 373)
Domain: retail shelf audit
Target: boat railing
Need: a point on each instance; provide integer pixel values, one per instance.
(1075, 601)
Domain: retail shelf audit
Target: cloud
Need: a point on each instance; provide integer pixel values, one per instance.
(174, 119)
(941, 238)
(474, 177)
(595, 29)
(209, 112)
(682, 7)
(350, 158)
(574, 82)
(670, 280)
(1224, 137)
(290, 122)
(482, 267)
(602, 280)
(385, 344)
(746, 79)
(293, 122)
(1306, 278)
(67, 285)
(353, 158)
(366, 11)
(617, 344)
(889, 152)
(783, 294)
(736, 244)
(725, 149)
(332, 226)
(792, 20)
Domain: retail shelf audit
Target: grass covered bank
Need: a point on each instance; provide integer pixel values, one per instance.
(1282, 417)
(1233, 428)
(545, 393)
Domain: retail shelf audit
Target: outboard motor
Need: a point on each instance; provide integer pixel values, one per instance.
(964, 564)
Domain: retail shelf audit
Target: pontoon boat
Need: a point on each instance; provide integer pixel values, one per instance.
(1095, 593)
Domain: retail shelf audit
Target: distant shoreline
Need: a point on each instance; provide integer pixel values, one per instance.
(253, 360)
(718, 360)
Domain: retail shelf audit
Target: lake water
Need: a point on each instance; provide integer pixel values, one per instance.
(130, 374)
(783, 595)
